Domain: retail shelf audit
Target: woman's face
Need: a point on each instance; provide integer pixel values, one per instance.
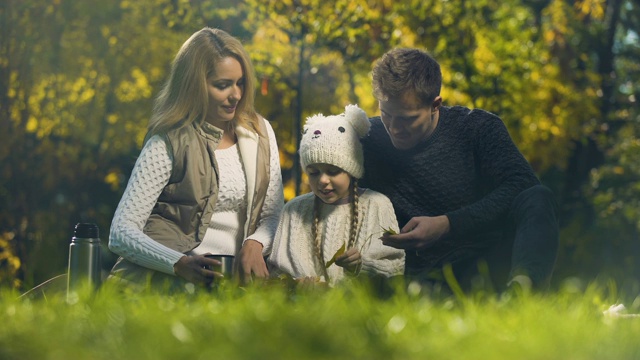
(329, 183)
(225, 88)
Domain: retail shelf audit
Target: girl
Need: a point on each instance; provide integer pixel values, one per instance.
(208, 178)
(335, 230)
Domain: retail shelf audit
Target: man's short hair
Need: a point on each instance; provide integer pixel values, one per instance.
(403, 69)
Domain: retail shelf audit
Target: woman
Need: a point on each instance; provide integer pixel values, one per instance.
(208, 178)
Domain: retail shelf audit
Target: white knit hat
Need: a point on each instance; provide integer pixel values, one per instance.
(335, 140)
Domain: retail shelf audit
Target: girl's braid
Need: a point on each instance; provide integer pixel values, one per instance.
(316, 236)
(355, 220)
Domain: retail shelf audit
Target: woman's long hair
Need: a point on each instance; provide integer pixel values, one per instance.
(184, 98)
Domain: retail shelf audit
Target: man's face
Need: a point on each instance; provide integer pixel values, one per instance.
(408, 121)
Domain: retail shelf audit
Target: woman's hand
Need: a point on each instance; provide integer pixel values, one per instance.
(197, 269)
(250, 262)
(350, 260)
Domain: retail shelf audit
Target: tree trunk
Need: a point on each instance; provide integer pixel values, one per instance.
(587, 154)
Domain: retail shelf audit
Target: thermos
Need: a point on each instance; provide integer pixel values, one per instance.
(84, 257)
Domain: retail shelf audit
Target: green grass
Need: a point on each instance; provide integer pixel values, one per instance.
(268, 322)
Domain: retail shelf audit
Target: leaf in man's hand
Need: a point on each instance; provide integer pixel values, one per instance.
(338, 253)
(389, 231)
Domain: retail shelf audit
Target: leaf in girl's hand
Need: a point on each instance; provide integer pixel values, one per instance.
(338, 253)
(389, 231)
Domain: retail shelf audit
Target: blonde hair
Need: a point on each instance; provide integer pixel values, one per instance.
(353, 230)
(184, 97)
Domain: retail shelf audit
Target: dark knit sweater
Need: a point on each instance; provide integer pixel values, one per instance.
(469, 169)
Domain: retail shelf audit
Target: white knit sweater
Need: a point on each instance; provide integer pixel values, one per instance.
(225, 234)
(294, 251)
(150, 175)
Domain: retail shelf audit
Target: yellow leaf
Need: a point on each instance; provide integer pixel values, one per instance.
(32, 124)
(338, 253)
(389, 231)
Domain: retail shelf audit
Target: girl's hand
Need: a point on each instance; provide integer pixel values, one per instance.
(351, 260)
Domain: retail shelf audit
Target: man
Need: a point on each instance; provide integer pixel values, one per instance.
(463, 193)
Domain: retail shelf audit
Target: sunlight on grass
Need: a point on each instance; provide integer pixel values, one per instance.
(273, 322)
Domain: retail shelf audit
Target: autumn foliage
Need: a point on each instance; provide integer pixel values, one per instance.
(77, 80)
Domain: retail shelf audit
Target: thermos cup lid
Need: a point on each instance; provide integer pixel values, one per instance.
(86, 230)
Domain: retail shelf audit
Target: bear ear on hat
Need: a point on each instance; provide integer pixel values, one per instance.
(358, 119)
(311, 120)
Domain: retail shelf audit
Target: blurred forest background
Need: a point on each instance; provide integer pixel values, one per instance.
(77, 81)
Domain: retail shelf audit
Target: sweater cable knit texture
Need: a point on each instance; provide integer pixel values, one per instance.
(293, 248)
(224, 235)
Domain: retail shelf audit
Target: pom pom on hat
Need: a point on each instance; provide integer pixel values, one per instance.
(335, 140)
(358, 119)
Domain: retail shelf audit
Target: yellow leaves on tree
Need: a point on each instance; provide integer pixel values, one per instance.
(9, 262)
(135, 88)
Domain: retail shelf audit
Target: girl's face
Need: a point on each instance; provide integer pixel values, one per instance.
(329, 183)
(225, 88)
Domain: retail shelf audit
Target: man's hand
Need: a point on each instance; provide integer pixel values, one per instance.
(420, 232)
(250, 261)
(197, 269)
(350, 260)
